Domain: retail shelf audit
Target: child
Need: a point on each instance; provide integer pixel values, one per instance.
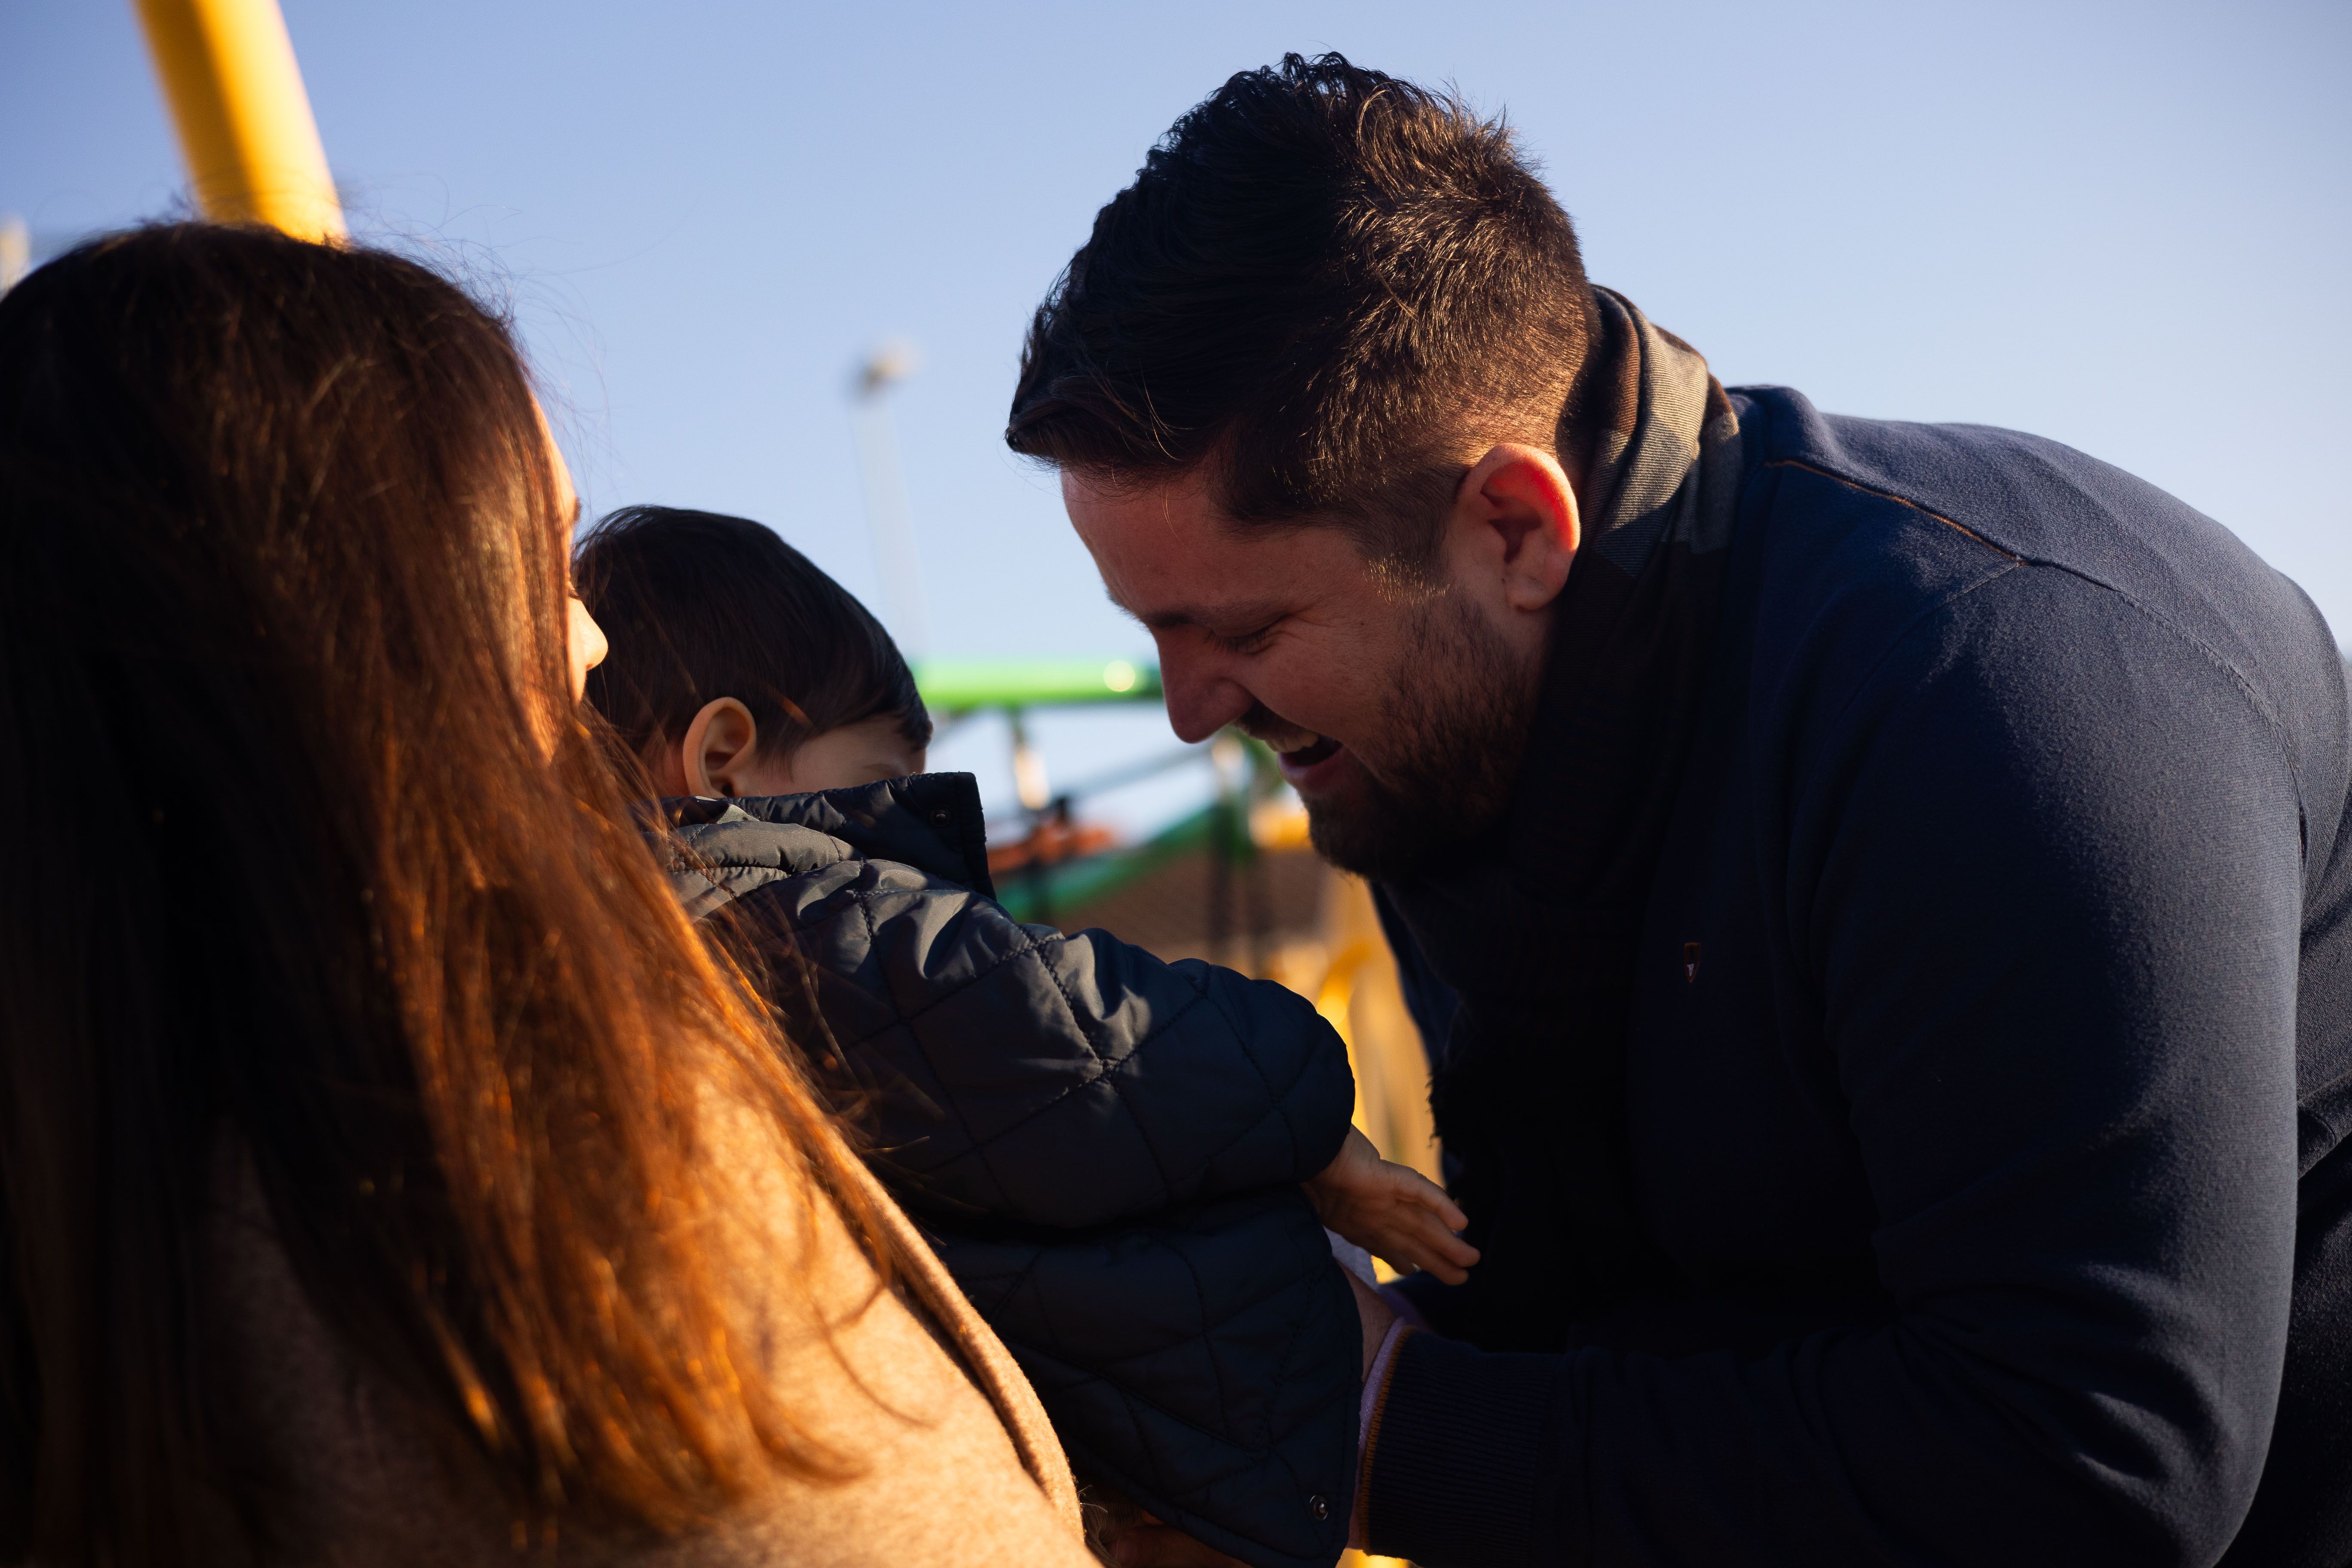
(1108, 1151)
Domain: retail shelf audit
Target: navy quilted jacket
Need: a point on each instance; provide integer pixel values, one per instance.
(1105, 1149)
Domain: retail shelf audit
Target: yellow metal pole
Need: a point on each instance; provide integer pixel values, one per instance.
(236, 92)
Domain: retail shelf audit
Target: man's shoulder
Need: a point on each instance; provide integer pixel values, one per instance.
(2027, 496)
(1874, 525)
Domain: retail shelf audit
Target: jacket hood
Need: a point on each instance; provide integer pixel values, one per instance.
(931, 822)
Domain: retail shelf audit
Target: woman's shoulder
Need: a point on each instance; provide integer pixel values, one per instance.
(948, 1458)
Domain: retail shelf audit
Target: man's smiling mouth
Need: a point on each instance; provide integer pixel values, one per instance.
(1303, 754)
(1306, 756)
(1311, 768)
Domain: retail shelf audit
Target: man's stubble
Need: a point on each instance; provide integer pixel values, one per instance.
(1454, 724)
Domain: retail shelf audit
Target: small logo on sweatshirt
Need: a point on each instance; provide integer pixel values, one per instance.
(1690, 963)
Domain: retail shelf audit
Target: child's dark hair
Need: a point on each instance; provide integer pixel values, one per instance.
(700, 605)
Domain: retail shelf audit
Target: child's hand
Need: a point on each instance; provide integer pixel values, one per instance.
(1393, 1212)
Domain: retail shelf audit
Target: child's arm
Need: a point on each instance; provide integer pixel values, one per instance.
(1044, 1079)
(1391, 1211)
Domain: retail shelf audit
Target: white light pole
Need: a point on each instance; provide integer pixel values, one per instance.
(15, 251)
(889, 521)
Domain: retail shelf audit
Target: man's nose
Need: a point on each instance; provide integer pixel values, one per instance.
(1201, 697)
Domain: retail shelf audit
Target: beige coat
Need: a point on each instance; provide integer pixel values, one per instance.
(960, 1468)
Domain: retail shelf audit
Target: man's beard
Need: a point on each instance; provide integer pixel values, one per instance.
(1453, 731)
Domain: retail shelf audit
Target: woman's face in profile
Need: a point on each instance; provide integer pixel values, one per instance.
(583, 639)
(587, 645)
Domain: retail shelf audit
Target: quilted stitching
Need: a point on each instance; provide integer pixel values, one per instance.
(1145, 1403)
(852, 939)
(1176, 1306)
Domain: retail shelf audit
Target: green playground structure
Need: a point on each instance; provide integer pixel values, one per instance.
(959, 685)
(956, 688)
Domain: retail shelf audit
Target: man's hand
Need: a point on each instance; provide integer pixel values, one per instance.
(1391, 1212)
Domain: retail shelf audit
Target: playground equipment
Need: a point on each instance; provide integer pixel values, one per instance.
(236, 94)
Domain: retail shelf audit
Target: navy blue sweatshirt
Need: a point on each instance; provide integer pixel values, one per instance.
(1990, 1060)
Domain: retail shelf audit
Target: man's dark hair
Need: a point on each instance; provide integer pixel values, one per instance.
(699, 606)
(1318, 274)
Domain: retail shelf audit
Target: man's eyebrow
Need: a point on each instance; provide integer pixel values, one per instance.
(1250, 616)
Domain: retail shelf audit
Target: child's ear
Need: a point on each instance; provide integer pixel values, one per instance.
(720, 746)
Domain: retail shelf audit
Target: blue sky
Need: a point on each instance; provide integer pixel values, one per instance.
(2122, 225)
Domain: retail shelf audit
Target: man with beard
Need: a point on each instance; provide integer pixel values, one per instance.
(1887, 883)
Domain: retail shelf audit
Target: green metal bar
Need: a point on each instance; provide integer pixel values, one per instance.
(1075, 882)
(963, 685)
(1221, 826)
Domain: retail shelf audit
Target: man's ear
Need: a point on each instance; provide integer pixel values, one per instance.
(719, 744)
(1516, 512)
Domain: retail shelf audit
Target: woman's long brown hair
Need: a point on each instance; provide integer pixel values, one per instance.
(303, 847)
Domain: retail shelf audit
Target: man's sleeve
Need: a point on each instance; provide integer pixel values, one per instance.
(2044, 871)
